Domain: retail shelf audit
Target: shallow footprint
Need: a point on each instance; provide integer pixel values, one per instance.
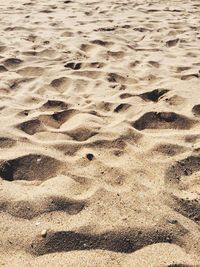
(189, 208)
(3, 68)
(196, 110)
(12, 62)
(29, 209)
(190, 76)
(163, 120)
(82, 133)
(182, 168)
(122, 107)
(6, 142)
(32, 126)
(31, 71)
(55, 104)
(169, 149)
(172, 43)
(61, 84)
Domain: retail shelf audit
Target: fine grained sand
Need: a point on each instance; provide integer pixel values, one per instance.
(99, 140)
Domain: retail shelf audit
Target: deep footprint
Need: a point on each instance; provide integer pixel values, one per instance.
(123, 241)
(30, 167)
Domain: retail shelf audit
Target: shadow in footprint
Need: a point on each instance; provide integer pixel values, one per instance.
(55, 104)
(31, 209)
(190, 76)
(32, 126)
(122, 107)
(172, 43)
(3, 68)
(7, 142)
(189, 208)
(153, 95)
(12, 62)
(196, 110)
(169, 150)
(30, 167)
(123, 241)
(184, 167)
(73, 66)
(163, 120)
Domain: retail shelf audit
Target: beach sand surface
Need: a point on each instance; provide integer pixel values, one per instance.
(100, 133)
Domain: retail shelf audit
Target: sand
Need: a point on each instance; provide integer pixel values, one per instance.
(100, 133)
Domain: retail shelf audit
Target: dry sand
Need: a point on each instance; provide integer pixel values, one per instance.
(100, 133)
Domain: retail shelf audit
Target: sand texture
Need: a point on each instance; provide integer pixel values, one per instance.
(100, 133)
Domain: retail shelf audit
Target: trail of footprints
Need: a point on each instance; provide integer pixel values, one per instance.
(109, 94)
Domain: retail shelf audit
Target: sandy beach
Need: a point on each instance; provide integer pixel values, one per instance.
(100, 133)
